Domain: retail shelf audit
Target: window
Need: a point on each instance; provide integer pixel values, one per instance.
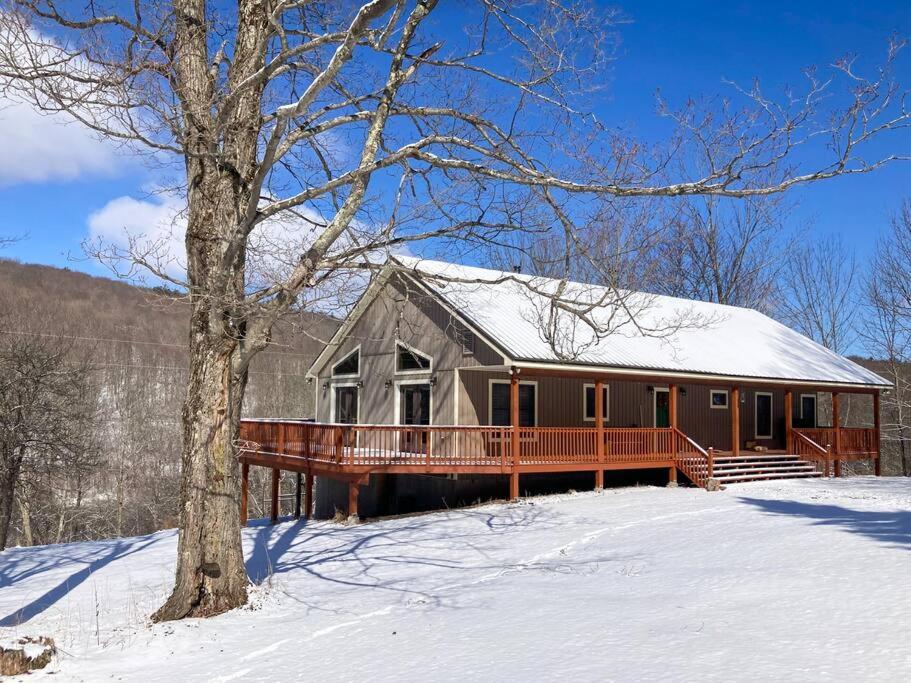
(588, 402)
(409, 360)
(808, 410)
(763, 415)
(349, 365)
(346, 404)
(499, 403)
(467, 342)
(414, 404)
(718, 398)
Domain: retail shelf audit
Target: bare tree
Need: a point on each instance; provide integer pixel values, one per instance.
(284, 113)
(47, 411)
(820, 296)
(722, 250)
(887, 331)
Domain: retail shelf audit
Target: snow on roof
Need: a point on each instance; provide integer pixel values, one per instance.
(654, 333)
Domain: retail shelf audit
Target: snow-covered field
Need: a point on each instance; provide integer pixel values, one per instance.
(804, 580)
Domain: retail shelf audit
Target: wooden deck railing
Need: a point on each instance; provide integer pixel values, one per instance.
(811, 450)
(693, 460)
(847, 443)
(453, 447)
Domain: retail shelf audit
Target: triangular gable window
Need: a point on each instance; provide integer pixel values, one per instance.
(349, 365)
(409, 360)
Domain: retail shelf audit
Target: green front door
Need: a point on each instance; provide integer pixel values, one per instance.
(662, 408)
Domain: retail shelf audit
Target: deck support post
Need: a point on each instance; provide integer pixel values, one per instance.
(789, 420)
(298, 485)
(352, 499)
(735, 421)
(672, 476)
(836, 425)
(599, 432)
(244, 491)
(308, 496)
(276, 477)
(515, 442)
(877, 462)
(672, 405)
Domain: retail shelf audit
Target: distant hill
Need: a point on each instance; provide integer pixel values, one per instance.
(124, 323)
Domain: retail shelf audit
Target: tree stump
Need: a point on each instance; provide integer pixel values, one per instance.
(21, 655)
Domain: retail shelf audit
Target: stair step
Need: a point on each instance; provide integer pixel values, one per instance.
(757, 456)
(761, 463)
(755, 477)
(764, 470)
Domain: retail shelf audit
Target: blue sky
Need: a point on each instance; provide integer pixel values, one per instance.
(683, 49)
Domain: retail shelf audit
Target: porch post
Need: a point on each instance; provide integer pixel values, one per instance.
(672, 420)
(276, 476)
(735, 421)
(352, 498)
(836, 425)
(298, 485)
(308, 496)
(244, 491)
(514, 421)
(789, 420)
(599, 432)
(672, 404)
(877, 464)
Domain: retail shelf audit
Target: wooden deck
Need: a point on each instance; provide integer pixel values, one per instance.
(351, 453)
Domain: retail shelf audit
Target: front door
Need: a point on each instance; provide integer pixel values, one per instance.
(662, 408)
(414, 409)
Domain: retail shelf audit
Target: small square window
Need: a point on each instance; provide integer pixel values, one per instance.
(719, 399)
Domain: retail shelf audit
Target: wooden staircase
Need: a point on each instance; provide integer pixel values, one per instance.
(762, 466)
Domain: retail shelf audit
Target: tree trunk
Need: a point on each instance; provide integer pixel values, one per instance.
(26, 516)
(211, 577)
(9, 475)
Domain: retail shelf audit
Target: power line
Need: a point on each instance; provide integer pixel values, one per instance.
(136, 341)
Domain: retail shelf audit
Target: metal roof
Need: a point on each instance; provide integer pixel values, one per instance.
(648, 332)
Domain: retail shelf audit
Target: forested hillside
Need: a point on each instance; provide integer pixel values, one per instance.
(115, 470)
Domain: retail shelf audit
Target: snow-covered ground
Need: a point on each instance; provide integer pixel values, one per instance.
(803, 580)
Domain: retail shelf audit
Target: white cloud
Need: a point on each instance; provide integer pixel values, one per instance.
(40, 148)
(154, 227)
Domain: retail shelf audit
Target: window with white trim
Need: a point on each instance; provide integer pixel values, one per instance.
(499, 413)
(348, 366)
(408, 359)
(588, 402)
(718, 399)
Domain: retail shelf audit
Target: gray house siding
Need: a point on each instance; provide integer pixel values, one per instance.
(401, 312)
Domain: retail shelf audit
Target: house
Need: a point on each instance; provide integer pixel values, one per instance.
(450, 381)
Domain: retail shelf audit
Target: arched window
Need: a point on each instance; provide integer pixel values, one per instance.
(408, 359)
(348, 366)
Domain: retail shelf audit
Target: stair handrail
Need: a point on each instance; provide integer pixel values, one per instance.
(810, 441)
(698, 475)
(823, 455)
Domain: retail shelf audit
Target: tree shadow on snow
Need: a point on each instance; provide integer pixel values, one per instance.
(890, 527)
(361, 556)
(86, 559)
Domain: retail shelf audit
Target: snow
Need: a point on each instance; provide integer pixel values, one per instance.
(682, 335)
(795, 579)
